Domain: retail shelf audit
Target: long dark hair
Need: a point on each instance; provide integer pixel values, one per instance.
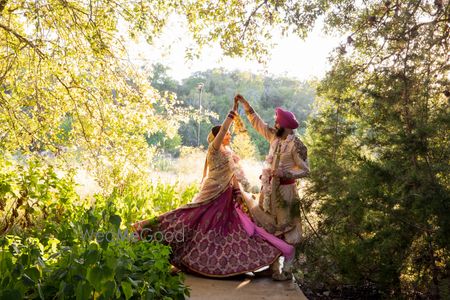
(215, 130)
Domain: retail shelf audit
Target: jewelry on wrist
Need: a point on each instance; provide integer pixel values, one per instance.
(231, 114)
(249, 110)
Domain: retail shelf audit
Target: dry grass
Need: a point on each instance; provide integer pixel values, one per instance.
(182, 171)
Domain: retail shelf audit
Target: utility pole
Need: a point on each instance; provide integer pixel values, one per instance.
(200, 92)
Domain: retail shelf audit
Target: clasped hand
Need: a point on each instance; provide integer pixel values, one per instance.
(238, 98)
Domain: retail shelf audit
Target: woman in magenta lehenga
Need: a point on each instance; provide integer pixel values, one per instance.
(212, 236)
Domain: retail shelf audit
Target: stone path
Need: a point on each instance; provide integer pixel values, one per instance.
(242, 287)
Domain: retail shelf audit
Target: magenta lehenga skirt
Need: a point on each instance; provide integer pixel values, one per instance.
(215, 239)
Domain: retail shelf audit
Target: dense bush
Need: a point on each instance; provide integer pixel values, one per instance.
(379, 152)
(54, 244)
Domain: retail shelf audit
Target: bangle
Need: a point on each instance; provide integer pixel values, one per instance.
(250, 110)
(231, 114)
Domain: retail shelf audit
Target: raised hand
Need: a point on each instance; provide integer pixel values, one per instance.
(239, 98)
(242, 100)
(236, 104)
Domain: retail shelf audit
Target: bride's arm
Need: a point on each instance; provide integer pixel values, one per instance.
(225, 126)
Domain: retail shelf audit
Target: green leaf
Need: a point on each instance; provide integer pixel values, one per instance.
(5, 280)
(133, 282)
(127, 289)
(92, 256)
(62, 287)
(27, 280)
(115, 220)
(24, 259)
(97, 275)
(33, 273)
(83, 291)
(41, 294)
(109, 289)
(6, 263)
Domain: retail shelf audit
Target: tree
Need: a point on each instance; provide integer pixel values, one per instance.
(379, 150)
(220, 86)
(62, 60)
(161, 81)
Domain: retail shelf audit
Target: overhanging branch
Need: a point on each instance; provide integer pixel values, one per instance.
(23, 39)
(2, 5)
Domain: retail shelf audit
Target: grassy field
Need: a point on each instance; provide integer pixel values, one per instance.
(182, 171)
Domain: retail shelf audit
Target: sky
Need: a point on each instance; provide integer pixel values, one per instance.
(293, 57)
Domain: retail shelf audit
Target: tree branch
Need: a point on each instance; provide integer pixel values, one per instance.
(23, 40)
(247, 23)
(2, 5)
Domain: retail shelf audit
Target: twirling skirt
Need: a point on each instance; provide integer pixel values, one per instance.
(216, 238)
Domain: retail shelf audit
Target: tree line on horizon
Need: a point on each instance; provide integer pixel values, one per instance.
(219, 87)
